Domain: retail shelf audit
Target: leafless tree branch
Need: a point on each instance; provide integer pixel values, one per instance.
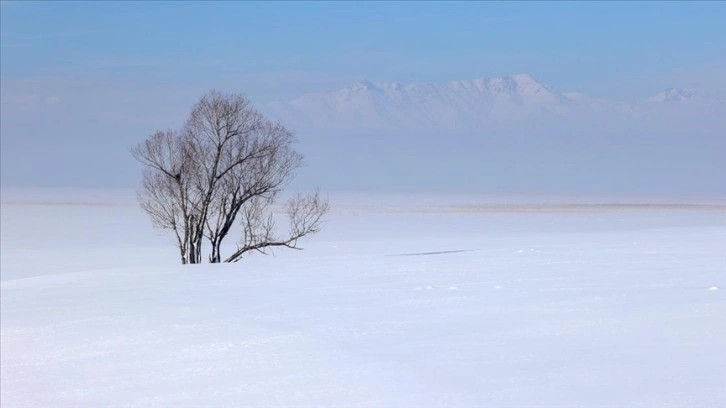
(226, 166)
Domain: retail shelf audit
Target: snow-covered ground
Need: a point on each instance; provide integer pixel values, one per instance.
(409, 304)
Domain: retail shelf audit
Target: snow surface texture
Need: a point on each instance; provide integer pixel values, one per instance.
(395, 304)
(476, 104)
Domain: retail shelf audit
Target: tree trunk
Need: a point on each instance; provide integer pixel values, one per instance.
(215, 256)
(193, 251)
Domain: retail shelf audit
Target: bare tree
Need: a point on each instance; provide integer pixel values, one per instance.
(226, 166)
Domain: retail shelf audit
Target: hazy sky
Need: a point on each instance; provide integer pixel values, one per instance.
(598, 48)
(82, 81)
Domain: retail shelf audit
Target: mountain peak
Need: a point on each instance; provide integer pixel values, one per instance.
(525, 79)
(675, 95)
(363, 85)
(526, 83)
(479, 103)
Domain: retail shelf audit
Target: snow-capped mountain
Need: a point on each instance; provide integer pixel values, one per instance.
(475, 103)
(685, 96)
(674, 95)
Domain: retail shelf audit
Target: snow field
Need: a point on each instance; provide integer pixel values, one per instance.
(382, 309)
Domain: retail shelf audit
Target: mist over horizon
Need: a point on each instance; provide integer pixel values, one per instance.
(674, 150)
(542, 124)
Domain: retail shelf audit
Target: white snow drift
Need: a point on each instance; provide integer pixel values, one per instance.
(413, 303)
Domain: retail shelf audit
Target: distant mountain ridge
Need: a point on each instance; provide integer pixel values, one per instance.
(479, 102)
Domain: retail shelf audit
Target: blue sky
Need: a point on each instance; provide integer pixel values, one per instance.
(591, 47)
(82, 81)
